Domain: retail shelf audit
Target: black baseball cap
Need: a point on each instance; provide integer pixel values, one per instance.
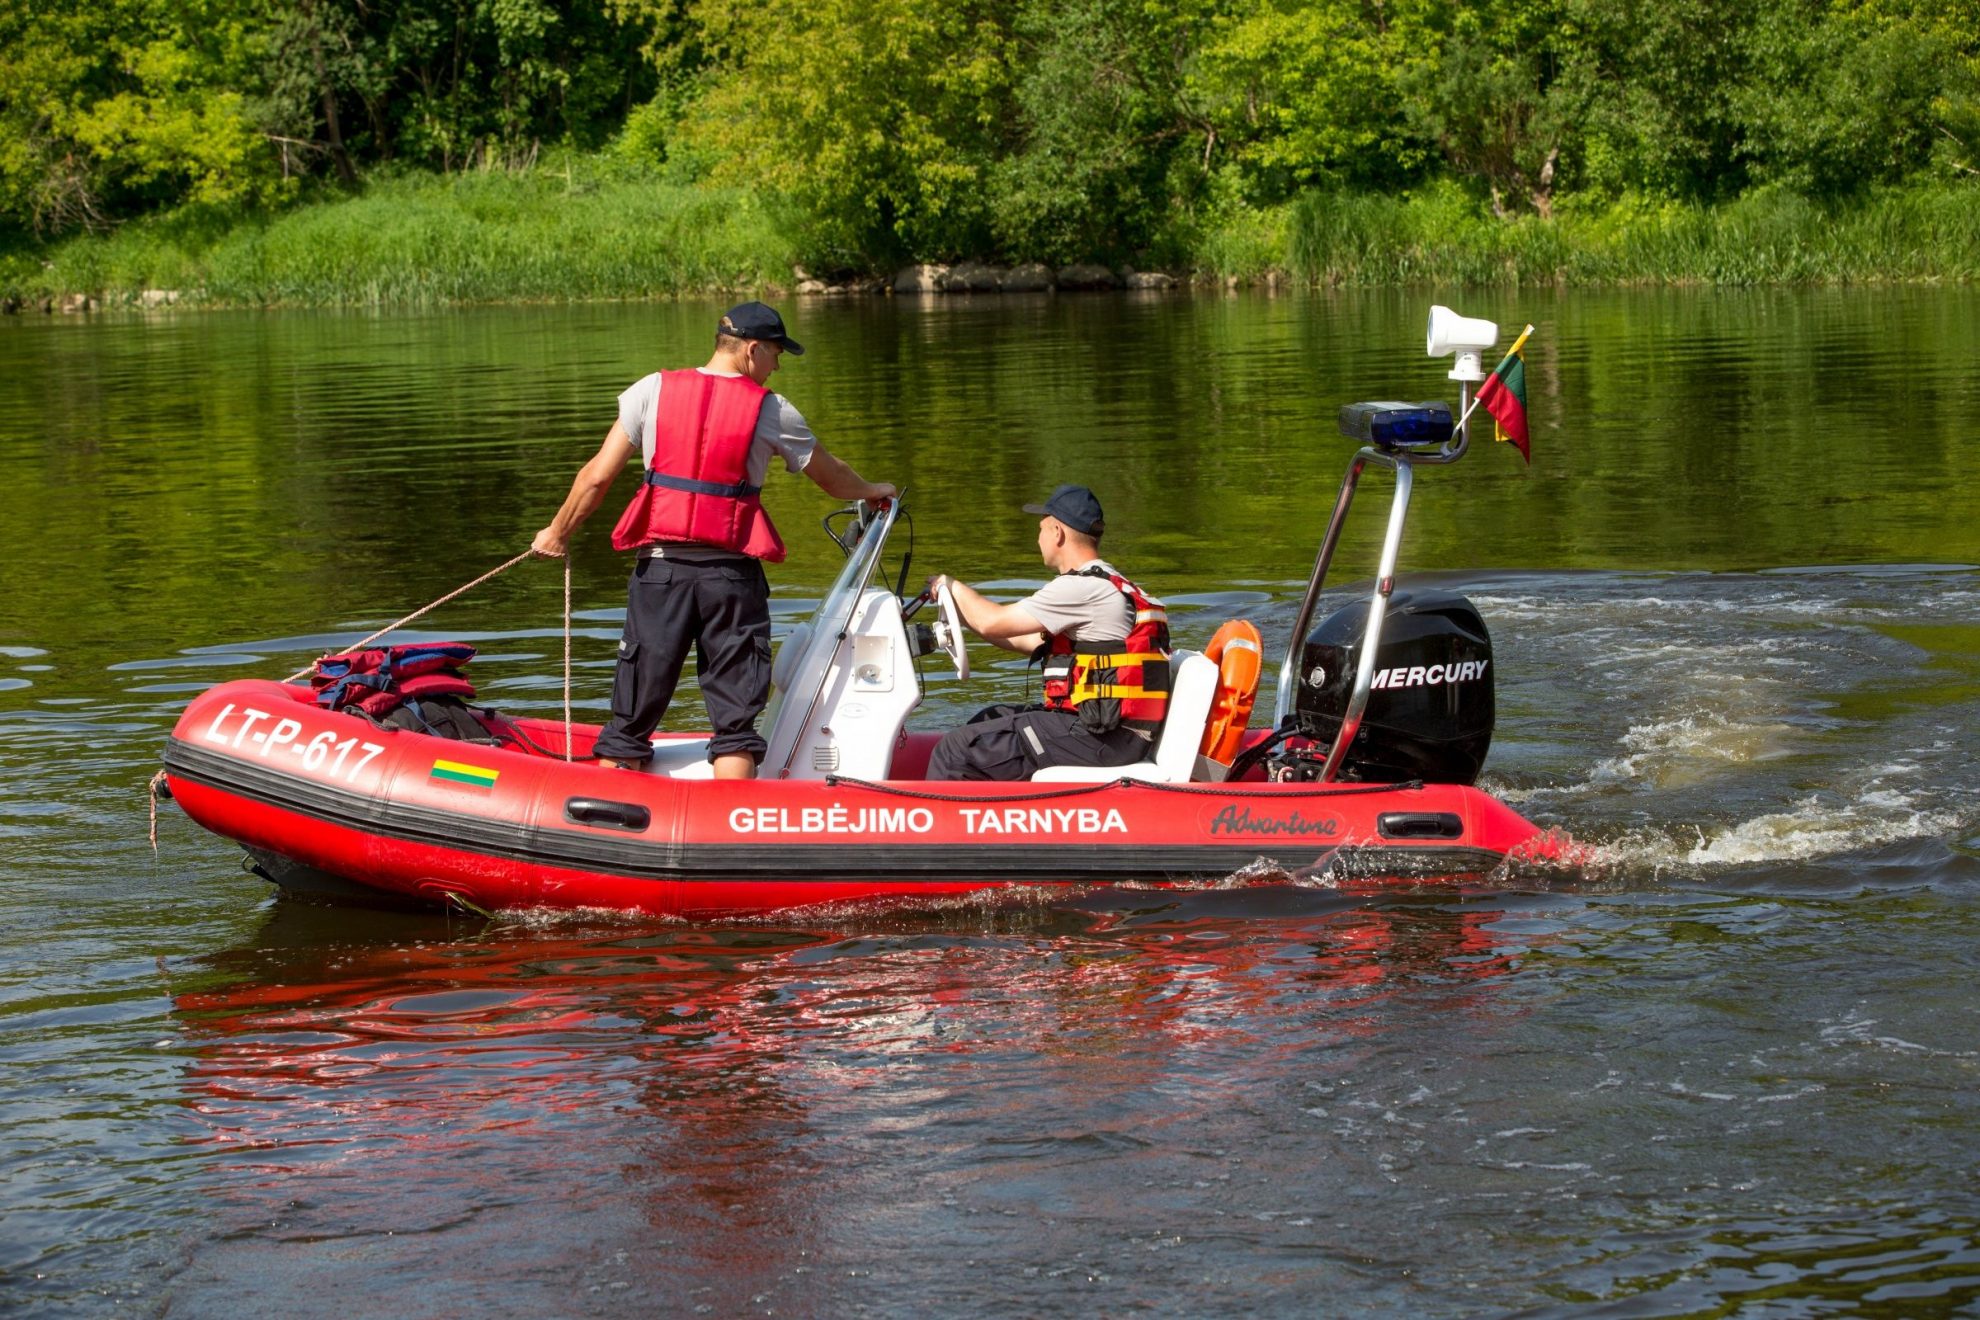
(1076, 507)
(755, 320)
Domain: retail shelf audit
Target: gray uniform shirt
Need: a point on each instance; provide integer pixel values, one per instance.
(781, 432)
(1089, 609)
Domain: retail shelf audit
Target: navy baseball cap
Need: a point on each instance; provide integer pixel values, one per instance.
(1076, 507)
(755, 320)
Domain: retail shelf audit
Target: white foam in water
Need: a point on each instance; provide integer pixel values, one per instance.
(1677, 750)
(1814, 827)
(1811, 830)
(1728, 706)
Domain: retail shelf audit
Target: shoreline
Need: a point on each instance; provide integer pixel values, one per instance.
(153, 302)
(928, 280)
(444, 241)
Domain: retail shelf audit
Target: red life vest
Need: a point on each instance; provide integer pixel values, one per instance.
(697, 488)
(1126, 684)
(376, 681)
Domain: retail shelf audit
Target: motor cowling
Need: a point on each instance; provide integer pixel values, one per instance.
(1430, 706)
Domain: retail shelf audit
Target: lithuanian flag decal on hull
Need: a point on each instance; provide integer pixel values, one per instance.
(454, 772)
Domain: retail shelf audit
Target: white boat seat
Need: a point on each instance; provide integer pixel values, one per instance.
(1193, 686)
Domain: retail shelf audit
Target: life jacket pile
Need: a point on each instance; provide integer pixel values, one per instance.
(1128, 684)
(378, 681)
(697, 487)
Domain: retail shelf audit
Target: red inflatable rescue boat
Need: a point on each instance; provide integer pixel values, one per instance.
(1383, 717)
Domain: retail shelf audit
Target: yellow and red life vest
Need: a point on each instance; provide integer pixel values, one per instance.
(1126, 684)
(697, 487)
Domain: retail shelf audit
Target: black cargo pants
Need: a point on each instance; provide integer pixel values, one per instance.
(1010, 742)
(722, 610)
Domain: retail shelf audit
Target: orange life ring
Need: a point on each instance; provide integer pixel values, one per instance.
(1239, 653)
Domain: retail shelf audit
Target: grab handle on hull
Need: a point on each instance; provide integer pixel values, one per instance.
(611, 815)
(1420, 825)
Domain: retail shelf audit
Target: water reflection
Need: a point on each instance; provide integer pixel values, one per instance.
(725, 1093)
(1693, 1086)
(1873, 1259)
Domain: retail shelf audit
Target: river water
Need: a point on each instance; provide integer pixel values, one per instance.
(1730, 1066)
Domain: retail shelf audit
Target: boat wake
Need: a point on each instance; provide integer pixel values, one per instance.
(1694, 724)
(1811, 829)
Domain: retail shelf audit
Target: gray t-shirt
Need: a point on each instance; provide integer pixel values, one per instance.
(781, 430)
(1091, 609)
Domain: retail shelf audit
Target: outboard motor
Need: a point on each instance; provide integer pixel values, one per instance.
(1425, 709)
(1430, 706)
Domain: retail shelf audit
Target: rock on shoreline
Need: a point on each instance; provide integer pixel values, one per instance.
(148, 300)
(963, 277)
(979, 277)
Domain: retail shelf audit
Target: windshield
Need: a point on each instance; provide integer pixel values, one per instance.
(818, 637)
(835, 611)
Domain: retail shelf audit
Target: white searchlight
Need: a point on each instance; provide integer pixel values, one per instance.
(1466, 336)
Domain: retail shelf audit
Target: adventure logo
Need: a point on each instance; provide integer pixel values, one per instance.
(1236, 820)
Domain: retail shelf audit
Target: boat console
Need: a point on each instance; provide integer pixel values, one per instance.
(842, 682)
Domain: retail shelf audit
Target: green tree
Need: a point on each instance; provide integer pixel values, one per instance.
(1299, 94)
(311, 55)
(1500, 91)
(1664, 114)
(880, 118)
(451, 85)
(1841, 98)
(1108, 151)
(113, 107)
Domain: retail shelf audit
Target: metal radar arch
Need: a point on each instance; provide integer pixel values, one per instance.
(1398, 436)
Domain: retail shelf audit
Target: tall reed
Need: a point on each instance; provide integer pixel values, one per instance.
(421, 239)
(1766, 237)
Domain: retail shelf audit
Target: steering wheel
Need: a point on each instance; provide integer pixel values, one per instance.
(949, 629)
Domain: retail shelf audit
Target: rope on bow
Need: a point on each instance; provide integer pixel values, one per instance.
(457, 591)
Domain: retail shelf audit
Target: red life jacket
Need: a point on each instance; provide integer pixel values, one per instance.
(377, 681)
(1126, 684)
(697, 488)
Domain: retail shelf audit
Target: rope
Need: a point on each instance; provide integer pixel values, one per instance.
(833, 781)
(489, 715)
(1281, 791)
(157, 782)
(1273, 790)
(567, 657)
(457, 591)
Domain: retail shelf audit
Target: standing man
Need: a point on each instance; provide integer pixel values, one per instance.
(706, 436)
(1106, 651)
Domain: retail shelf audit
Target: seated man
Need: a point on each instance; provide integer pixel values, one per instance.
(1106, 651)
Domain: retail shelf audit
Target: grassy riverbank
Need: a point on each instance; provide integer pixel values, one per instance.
(1920, 233)
(582, 233)
(422, 239)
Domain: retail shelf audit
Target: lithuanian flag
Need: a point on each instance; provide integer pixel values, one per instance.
(456, 772)
(1504, 396)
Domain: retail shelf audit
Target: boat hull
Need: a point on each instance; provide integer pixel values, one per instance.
(314, 794)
